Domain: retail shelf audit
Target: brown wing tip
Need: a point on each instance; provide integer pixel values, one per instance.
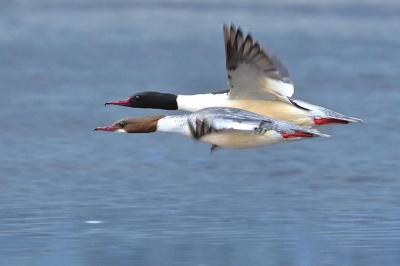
(238, 46)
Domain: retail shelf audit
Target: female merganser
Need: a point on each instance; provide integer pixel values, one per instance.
(222, 127)
(258, 82)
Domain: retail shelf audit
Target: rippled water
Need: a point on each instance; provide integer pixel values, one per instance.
(71, 196)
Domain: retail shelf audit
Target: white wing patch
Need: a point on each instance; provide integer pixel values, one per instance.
(226, 124)
(221, 125)
(246, 82)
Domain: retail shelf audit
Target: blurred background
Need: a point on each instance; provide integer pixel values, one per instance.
(71, 196)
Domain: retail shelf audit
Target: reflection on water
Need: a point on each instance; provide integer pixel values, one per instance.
(69, 196)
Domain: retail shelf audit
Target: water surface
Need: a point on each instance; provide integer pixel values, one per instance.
(71, 196)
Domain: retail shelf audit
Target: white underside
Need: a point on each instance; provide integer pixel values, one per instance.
(242, 140)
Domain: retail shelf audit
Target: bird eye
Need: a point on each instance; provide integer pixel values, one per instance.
(121, 124)
(137, 98)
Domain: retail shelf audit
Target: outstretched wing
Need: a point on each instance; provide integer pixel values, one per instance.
(253, 73)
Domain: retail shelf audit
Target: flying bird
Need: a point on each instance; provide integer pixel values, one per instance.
(219, 126)
(257, 81)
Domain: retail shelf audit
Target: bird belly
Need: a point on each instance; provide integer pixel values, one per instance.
(242, 140)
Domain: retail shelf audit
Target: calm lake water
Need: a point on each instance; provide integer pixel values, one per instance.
(71, 196)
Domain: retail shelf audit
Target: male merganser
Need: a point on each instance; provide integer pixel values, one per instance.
(258, 82)
(220, 126)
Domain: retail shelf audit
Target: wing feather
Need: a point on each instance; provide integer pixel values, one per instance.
(252, 71)
(224, 123)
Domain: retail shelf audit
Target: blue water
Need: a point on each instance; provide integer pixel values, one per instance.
(71, 196)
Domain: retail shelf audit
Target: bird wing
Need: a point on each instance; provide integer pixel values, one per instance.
(253, 73)
(210, 125)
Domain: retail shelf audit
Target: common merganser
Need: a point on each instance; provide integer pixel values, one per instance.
(258, 82)
(220, 126)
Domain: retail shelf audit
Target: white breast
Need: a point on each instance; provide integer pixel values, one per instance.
(175, 124)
